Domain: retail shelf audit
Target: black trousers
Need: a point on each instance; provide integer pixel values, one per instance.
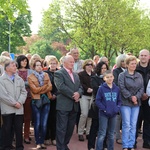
(51, 122)
(64, 128)
(93, 133)
(12, 121)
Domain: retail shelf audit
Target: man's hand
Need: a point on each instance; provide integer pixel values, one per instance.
(18, 105)
(76, 96)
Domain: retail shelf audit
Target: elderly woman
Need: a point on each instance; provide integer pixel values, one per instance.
(120, 67)
(85, 101)
(52, 63)
(131, 86)
(40, 87)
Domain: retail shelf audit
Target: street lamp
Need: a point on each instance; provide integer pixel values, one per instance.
(9, 38)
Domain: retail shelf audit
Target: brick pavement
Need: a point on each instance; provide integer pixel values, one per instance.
(77, 145)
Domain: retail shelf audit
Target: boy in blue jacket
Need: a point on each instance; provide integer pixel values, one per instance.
(108, 101)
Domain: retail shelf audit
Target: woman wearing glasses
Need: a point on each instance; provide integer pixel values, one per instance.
(85, 101)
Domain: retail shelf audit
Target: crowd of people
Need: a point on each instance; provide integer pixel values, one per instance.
(55, 96)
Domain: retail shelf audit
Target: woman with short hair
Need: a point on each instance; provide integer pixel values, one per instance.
(131, 86)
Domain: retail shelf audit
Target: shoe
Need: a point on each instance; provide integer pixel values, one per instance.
(47, 142)
(146, 145)
(81, 138)
(27, 141)
(54, 142)
(30, 139)
(118, 141)
(140, 131)
(87, 136)
(12, 147)
(91, 148)
(43, 146)
(38, 146)
(125, 148)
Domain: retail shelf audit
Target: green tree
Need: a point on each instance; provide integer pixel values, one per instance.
(43, 48)
(99, 26)
(19, 28)
(12, 7)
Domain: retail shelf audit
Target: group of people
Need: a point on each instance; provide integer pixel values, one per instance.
(56, 97)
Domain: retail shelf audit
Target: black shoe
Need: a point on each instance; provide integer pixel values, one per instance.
(146, 145)
(81, 138)
(12, 147)
(27, 142)
(87, 136)
(30, 139)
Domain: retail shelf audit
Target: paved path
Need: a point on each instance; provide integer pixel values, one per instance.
(77, 145)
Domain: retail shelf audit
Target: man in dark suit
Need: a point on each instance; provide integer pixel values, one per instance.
(69, 92)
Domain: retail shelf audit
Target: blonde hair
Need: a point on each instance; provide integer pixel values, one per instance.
(86, 62)
(33, 58)
(3, 59)
(129, 59)
(50, 58)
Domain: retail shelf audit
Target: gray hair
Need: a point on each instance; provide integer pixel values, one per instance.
(119, 59)
(8, 62)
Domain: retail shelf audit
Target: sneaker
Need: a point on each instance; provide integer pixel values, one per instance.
(47, 142)
(54, 142)
(38, 146)
(43, 146)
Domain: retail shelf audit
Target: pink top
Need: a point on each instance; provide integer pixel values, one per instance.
(70, 74)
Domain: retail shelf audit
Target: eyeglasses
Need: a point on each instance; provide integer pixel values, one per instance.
(89, 64)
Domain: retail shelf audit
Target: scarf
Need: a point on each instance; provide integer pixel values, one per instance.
(40, 77)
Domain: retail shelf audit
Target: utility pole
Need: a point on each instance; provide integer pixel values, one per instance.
(9, 38)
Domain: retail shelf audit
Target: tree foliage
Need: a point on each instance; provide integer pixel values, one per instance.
(43, 48)
(16, 30)
(98, 26)
(12, 7)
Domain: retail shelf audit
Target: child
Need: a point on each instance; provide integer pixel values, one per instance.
(108, 101)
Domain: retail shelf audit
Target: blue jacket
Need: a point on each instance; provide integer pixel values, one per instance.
(108, 100)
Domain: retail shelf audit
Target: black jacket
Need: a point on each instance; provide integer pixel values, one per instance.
(96, 81)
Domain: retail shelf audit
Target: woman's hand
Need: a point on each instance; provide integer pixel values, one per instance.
(134, 100)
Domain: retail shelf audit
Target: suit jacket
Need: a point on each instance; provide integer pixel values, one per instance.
(66, 88)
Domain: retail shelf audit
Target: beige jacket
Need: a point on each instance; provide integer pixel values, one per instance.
(11, 93)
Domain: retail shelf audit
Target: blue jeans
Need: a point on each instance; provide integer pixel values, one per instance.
(40, 122)
(129, 121)
(106, 125)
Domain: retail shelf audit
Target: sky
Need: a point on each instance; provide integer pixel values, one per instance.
(37, 6)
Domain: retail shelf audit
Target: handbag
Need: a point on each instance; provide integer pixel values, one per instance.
(42, 101)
